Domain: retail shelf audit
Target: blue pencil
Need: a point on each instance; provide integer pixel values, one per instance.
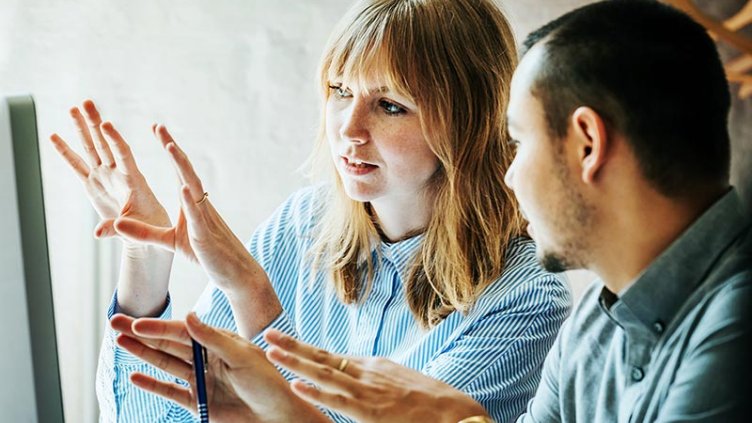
(199, 355)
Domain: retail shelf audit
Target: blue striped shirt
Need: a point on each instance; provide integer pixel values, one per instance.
(494, 353)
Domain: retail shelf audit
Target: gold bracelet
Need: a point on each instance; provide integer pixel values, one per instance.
(476, 419)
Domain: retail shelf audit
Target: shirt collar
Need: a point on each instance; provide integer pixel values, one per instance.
(401, 253)
(658, 293)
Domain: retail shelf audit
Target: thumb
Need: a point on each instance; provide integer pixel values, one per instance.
(138, 231)
(105, 229)
(228, 346)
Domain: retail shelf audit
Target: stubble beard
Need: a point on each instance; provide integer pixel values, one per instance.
(572, 227)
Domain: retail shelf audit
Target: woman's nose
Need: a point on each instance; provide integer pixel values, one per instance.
(354, 127)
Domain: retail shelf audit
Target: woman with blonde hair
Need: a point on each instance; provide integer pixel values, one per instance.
(412, 248)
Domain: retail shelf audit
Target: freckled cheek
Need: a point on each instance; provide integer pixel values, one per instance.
(409, 153)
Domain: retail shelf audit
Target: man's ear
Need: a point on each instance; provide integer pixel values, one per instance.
(591, 140)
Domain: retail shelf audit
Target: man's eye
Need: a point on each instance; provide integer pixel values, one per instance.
(391, 108)
(340, 92)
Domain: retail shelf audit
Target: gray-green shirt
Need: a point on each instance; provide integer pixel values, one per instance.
(675, 347)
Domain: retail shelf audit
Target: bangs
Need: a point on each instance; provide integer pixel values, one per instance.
(370, 53)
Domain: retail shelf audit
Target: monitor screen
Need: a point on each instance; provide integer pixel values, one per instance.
(30, 391)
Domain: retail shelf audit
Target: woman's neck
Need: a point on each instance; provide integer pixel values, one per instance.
(403, 217)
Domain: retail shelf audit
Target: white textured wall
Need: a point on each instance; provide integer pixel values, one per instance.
(233, 79)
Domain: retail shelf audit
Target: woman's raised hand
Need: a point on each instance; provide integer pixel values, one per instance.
(108, 171)
(203, 236)
(200, 232)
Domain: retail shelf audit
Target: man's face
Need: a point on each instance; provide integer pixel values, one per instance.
(545, 182)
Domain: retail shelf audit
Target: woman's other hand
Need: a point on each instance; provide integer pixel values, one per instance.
(203, 236)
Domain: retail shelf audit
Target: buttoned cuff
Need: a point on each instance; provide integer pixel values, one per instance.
(121, 356)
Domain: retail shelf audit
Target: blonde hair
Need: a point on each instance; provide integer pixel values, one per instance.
(455, 59)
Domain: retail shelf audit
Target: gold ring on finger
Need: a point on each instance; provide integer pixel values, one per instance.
(343, 364)
(203, 198)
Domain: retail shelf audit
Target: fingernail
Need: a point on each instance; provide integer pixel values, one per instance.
(278, 351)
(271, 333)
(194, 319)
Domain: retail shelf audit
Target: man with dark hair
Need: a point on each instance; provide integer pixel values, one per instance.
(618, 111)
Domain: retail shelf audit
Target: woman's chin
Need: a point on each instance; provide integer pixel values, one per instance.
(360, 192)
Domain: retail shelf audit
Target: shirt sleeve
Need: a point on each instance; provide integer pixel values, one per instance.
(713, 382)
(121, 401)
(545, 406)
(498, 360)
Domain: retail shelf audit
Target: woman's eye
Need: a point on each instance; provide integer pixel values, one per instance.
(340, 92)
(391, 108)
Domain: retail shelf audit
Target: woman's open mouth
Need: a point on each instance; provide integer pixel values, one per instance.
(358, 167)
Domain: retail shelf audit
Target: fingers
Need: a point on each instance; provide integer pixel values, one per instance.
(94, 121)
(336, 401)
(122, 323)
(171, 391)
(320, 374)
(228, 346)
(191, 209)
(173, 364)
(92, 156)
(182, 164)
(171, 330)
(163, 335)
(105, 229)
(290, 345)
(136, 230)
(74, 160)
(123, 157)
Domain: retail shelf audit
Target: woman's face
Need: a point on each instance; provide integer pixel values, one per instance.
(377, 144)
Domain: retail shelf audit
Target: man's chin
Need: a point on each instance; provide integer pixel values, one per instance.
(553, 262)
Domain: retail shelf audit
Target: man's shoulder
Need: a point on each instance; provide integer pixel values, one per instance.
(727, 291)
(588, 326)
(727, 303)
(736, 260)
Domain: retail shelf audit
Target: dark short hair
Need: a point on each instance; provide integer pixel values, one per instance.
(653, 74)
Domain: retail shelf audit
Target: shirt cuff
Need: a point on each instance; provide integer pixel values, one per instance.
(281, 323)
(121, 356)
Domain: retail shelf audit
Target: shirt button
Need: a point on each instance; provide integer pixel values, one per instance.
(658, 326)
(637, 374)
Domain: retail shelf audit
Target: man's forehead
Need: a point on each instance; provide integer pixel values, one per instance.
(527, 70)
(522, 82)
